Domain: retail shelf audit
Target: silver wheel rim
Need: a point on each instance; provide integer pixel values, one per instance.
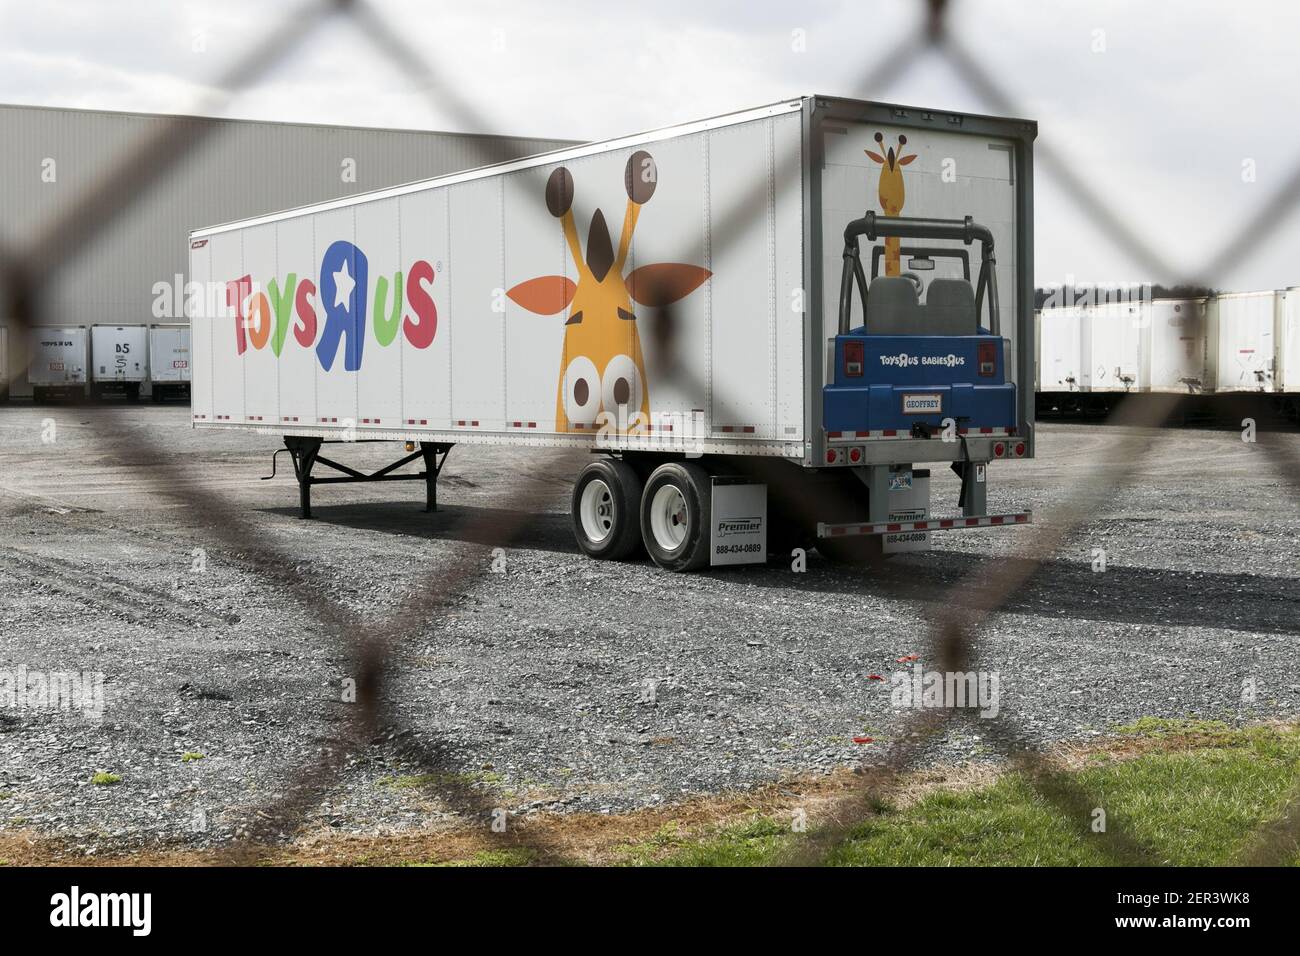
(668, 517)
(596, 511)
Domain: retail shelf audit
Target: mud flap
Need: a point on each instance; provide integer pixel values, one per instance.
(739, 522)
(909, 500)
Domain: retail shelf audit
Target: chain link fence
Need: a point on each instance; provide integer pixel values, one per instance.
(954, 620)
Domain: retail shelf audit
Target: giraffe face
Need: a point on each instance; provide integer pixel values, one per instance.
(602, 366)
(891, 162)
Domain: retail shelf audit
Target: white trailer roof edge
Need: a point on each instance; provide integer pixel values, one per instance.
(514, 165)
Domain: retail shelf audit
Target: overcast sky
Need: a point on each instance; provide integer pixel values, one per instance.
(1158, 105)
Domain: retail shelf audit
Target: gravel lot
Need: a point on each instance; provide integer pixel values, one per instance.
(537, 677)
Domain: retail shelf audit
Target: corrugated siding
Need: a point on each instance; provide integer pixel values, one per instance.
(241, 169)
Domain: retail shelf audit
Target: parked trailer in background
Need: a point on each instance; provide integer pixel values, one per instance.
(1243, 341)
(1177, 350)
(169, 361)
(1061, 361)
(57, 360)
(1288, 349)
(1090, 353)
(822, 343)
(1233, 344)
(1113, 353)
(119, 360)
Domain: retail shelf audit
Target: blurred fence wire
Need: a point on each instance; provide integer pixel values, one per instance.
(954, 619)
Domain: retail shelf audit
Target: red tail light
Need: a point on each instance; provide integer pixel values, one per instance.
(853, 359)
(832, 456)
(988, 359)
(1020, 449)
(999, 450)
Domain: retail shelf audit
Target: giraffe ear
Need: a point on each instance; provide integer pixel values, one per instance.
(662, 283)
(544, 295)
(906, 159)
(876, 156)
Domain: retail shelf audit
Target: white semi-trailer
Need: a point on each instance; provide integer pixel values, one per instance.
(763, 322)
(1243, 340)
(56, 361)
(1091, 354)
(169, 361)
(1289, 350)
(119, 360)
(4, 363)
(1177, 356)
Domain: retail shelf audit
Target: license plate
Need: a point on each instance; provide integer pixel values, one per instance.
(922, 403)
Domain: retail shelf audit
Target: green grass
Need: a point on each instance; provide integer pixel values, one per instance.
(103, 779)
(1163, 727)
(1187, 807)
(191, 755)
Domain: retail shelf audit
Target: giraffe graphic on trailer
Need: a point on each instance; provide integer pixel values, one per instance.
(891, 192)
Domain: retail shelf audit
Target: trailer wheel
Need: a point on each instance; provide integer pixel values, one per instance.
(675, 510)
(606, 497)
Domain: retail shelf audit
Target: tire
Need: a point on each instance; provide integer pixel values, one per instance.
(605, 510)
(676, 509)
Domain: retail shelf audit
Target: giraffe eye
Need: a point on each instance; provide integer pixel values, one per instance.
(625, 314)
(581, 390)
(621, 385)
(574, 319)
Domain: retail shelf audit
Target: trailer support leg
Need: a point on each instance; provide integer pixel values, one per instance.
(303, 451)
(974, 498)
(432, 468)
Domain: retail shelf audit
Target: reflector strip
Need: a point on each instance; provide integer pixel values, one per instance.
(901, 433)
(934, 524)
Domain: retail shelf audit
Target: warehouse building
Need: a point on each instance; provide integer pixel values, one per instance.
(53, 158)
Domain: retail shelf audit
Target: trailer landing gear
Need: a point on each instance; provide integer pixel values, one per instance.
(305, 453)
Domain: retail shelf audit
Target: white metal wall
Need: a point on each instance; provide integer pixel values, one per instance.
(53, 157)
